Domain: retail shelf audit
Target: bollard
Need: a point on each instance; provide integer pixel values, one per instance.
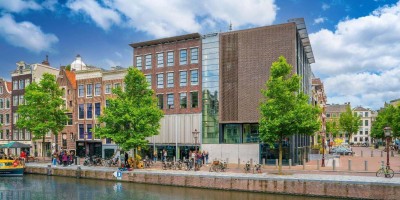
(238, 163)
(304, 164)
(263, 160)
(349, 165)
(392, 153)
(381, 153)
(251, 161)
(48, 170)
(276, 163)
(362, 153)
(174, 159)
(290, 163)
(318, 164)
(78, 172)
(372, 153)
(76, 160)
(334, 164)
(366, 165)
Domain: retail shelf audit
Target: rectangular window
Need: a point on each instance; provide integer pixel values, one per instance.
(7, 103)
(1, 103)
(170, 101)
(7, 118)
(170, 79)
(81, 89)
(1, 119)
(139, 62)
(27, 82)
(117, 85)
(250, 133)
(108, 89)
(97, 109)
(107, 103)
(366, 114)
(1, 134)
(361, 132)
(148, 61)
(108, 140)
(81, 131)
(15, 85)
(366, 132)
(183, 100)
(15, 135)
(170, 58)
(27, 135)
(20, 135)
(81, 111)
(69, 120)
(15, 100)
(183, 57)
(148, 79)
(182, 78)
(97, 89)
(89, 131)
(160, 80)
(160, 101)
(89, 111)
(194, 97)
(8, 134)
(194, 77)
(15, 118)
(366, 122)
(21, 100)
(160, 60)
(194, 55)
(21, 84)
(355, 139)
(89, 90)
(1, 89)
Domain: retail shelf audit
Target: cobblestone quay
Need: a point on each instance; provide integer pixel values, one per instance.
(297, 184)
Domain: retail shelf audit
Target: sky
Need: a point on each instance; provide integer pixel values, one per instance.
(356, 43)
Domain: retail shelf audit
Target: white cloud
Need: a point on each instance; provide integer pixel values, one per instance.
(325, 6)
(19, 5)
(360, 57)
(103, 16)
(112, 63)
(50, 4)
(26, 35)
(319, 20)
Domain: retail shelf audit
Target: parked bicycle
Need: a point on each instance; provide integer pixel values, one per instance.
(257, 168)
(189, 164)
(218, 166)
(247, 167)
(385, 170)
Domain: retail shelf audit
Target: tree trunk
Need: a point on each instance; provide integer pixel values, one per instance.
(43, 152)
(280, 157)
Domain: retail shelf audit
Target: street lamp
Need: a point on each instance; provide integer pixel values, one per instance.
(85, 135)
(195, 136)
(323, 149)
(388, 133)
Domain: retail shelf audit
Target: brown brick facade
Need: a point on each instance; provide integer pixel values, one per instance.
(5, 111)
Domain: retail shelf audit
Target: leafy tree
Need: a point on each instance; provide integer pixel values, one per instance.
(332, 128)
(389, 116)
(285, 110)
(349, 122)
(42, 111)
(133, 115)
(68, 67)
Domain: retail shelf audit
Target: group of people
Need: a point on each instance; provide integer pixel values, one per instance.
(63, 158)
(201, 157)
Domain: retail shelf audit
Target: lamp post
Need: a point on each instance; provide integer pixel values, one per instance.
(84, 138)
(323, 150)
(195, 136)
(388, 132)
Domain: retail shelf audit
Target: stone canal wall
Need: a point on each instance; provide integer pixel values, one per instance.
(305, 184)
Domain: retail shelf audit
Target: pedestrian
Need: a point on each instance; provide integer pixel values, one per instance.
(203, 156)
(206, 157)
(155, 155)
(55, 159)
(64, 159)
(23, 156)
(126, 158)
(165, 154)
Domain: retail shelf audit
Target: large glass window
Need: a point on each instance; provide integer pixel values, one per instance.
(250, 133)
(148, 79)
(194, 55)
(108, 89)
(97, 89)
(89, 111)
(139, 62)
(1, 103)
(81, 131)
(183, 57)
(7, 118)
(160, 80)
(182, 78)
(97, 109)
(1, 119)
(89, 131)
(89, 90)
(231, 133)
(15, 100)
(160, 59)
(170, 101)
(366, 122)
(21, 100)
(183, 100)
(194, 77)
(194, 97)
(81, 90)
(170, 79)
(7, 103)
(81, 111)
(170, 58)
(15, 85)
(160, 101)
(148, 61)
(21, 84)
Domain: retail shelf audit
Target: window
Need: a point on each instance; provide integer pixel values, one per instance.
(1, 134)
(183, 100)
(328, 115)
(7, 134)
(355, 139)
(182, 78)
(232, 133)
(194, 55)
(27, 135)
(97, 109)
(361, 132)
(160, 60)
(148, 61)
(89, 90)
(15, 85)
(7, 103)
(15, 118)
(81, 131)
(194, 96)
(170, 58)
(81, 111)
(366, 132)
(108, 89)
(139, 62)
(361, 139)
(80, 90)
(97, 89)
(15, 135)
(148, 79)
(20, 135)
(170, 101)
(250, 133)
(107, 103)
(194, 77)
(170, 79)
(21, 84)
(160, 80)
(21, 100)
(333, 114)
(1, 119)
(108, 140)
(27, 82)
(117, 85)
(1, 103)
(183, 57)
(89, 131)
(160, 101)
(89, 111)
(366, 122)
(15, 100)
(366, 114)
(69, 120)
(1, 89)
(7, 118)
(64, 139)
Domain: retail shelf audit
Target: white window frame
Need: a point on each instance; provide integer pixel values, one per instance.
(160, 62)
(145, 61)
(1, 89)
(148, 79)
(191, 55)
(158, 81)
(79, 90)
(191, 77)
(180, 79)
(137, 62)
(108, 86)
(97, 91)
(89, 93)
(170, 64)
(170, 82)
(183, 60)
(172, 105)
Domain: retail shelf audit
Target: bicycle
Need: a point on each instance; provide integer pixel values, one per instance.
(257, 168)
(389, 173)
(247, 167)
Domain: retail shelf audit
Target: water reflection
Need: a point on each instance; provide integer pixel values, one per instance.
(44, 187)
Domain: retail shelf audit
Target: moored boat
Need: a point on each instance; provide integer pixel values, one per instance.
(11, 168)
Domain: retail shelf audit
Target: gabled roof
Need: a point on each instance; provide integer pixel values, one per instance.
(359, 108)
(71, 77)
(9, 86)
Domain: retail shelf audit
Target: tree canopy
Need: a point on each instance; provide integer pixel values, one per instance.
(332, 127)
(388, 116)
(133, 115)
(285, 111)
(349, 122)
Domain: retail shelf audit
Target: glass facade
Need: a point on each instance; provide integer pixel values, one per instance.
(210, 83)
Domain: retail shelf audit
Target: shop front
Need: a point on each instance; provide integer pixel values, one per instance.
(92, 148)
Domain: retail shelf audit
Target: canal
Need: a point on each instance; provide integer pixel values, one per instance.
(53, 187)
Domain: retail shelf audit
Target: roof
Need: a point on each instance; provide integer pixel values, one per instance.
(71, 77)
(360, 108)
(9, 86)
(305, 40)
(166, 40)
(336, 108)
(316, 81)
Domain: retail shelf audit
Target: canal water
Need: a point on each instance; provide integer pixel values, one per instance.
(53, 187)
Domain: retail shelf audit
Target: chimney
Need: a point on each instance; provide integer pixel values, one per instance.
(46, 62)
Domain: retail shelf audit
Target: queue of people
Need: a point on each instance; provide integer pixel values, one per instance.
(63, 158)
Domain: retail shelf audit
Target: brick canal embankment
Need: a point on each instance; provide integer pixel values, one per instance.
(341, 186)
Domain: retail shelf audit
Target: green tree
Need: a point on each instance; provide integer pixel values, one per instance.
(133, 115)
(332, 128)
(285, 111)
(68, 67)
(389, 116)
(43, 110)
(349, 122)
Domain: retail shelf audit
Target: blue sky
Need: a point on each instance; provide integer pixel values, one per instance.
(356, 43)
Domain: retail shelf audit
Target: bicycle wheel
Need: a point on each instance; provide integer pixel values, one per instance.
(379, 173)
(389, 173)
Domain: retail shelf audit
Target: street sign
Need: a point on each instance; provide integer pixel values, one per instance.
(118, 174)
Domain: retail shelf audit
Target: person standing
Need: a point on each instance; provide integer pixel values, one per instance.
(64, 159)
(23, 156)
(165, 154)
(126, 158)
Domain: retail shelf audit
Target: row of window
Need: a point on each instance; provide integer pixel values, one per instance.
(356, 113)
(362, 139)
(361, 132)
(18, 100)
(183, 100)
(85, 131)
(89, 110)
(21, 84)
(5, 103)
(365, 123)
(4, 134)
(5, 119)
(17, 135)
(183, 79)
(183, 58)
(362, 113)
(97, 89)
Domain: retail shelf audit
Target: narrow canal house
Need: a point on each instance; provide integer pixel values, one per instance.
(5, 112)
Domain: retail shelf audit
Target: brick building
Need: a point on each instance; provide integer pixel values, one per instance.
(5, 111)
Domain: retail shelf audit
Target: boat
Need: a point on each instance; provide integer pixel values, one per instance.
(11, 168)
